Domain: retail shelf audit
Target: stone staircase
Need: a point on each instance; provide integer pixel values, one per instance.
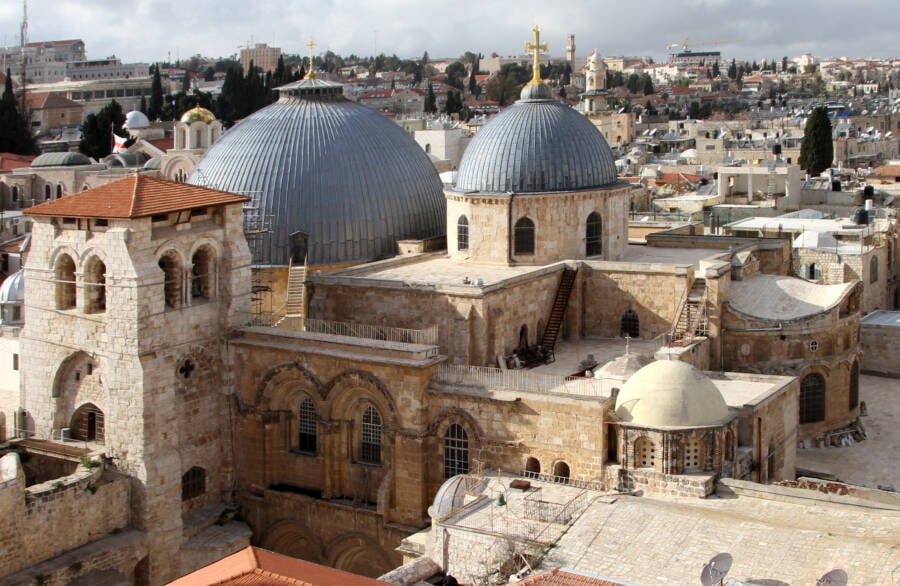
(558, 311)
(692, 319)
(295, 303)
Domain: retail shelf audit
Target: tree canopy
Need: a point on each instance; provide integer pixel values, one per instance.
(97, 130)
(15, 136)
(817, 148)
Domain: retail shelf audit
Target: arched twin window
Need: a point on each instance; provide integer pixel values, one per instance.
(812, 398)
(456, 451)
(202, 273)
(523, 238)
(95, 286)
(462, 233)
(593, 235)
(306, 426)
(370, 445)
(171, 268)
(64, 274)
(59, 190)
(48, 192)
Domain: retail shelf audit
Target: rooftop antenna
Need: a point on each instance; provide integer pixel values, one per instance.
(715, 569)
(23, 39)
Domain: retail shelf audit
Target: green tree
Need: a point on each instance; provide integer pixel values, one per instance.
(456, 73)
(97, 130)
(817, 148)
(143, 106)
(15, 136)
(646, 84)
(154, 109)
(474, 88)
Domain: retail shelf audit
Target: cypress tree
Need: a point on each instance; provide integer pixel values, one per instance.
(15, 136)
(154, 110)
(817, 148)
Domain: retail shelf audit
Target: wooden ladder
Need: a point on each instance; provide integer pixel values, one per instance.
(558, 310)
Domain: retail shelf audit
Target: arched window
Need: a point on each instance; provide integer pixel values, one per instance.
(692, 455)
(202, 273)
(456, 451)
(561, 472)
(95, 286)
(593, 235)
(532, 467)
(644, 453)
(88, 424)
(59, 190)
(630, 325)
(814, 272)
(370, 446)
(65, 282)
(193, 483)
(873, 269)
(812, 398)
(48, 192)
(171, 268)
(523, 242)
(306, 426)
(462, 233)
(854, 386)
(180, 176)
(15, 193)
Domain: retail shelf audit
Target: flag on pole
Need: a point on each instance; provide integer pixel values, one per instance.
(119, 143)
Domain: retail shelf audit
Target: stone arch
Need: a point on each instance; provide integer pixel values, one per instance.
(60, 190)
(65, 282)
(524, 236)
(88, 424)
(813, 397)
(561, 472)
(532, 466)
(204, 277)
(171, 263)
(48, 192)
(78, 380)
(277, 390)
(94, 285)
(371, 386)
(360, 554)
(455, 415)
(462, 233)
(593, 235)
(293, 538)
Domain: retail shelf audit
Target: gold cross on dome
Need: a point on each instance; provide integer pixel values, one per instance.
(537, 47)
(311, 74)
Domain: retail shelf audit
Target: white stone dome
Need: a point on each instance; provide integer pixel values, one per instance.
(136, 119)
(671, 393)
(13, 288)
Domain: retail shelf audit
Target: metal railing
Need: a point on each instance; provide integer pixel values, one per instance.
(519, 380)
(427, 336)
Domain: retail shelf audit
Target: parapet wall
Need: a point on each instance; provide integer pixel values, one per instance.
(47, 519)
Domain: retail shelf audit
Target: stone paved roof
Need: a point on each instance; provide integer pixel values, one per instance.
(136, 196)
(777, 297)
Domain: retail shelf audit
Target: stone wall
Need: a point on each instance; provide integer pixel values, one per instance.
(59, 514)
(683, 485)
(880, 349)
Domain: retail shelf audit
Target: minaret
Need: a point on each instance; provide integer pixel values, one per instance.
(570, 51)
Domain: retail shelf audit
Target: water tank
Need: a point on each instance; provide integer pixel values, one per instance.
(861, 217)
(869, 191)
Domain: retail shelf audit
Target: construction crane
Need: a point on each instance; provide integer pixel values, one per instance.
(686, 44)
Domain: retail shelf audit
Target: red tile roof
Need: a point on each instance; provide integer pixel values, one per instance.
(54, 43)
(136, 196)
(13, 246)
(257, 567)
(48, 100)
(558, 577)
(9, 161)
(163, 144)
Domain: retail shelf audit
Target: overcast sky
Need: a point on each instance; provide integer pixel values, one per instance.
(151, 30)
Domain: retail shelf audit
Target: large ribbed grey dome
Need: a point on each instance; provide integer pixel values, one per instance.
(340, 172)
(534, 146)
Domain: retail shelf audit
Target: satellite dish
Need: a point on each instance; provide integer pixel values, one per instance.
(715, 569)
(833, 578)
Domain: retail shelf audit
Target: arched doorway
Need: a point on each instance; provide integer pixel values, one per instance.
(88, 424)
(561, 472)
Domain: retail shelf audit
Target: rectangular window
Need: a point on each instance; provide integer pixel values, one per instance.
(15, 362)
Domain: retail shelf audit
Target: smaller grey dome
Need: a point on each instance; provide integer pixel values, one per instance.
(13, 288)
(66, 159)
(136, 119)
(536, 92)
(452, 495)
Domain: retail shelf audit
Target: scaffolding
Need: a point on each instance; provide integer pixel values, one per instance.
(258, 231)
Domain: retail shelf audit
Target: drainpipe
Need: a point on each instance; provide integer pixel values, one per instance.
(510, 239)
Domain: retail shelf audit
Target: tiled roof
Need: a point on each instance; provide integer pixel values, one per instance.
(9, 161)
(888, 171)
(136, 196)
(163, 144)
(559, 577)
(13, 246)
(49, 100)
(258, 567)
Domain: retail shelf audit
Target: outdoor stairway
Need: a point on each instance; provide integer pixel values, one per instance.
(691, 319)
(558, 311)
(295, 305)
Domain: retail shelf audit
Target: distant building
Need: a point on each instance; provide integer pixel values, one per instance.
(262, 56)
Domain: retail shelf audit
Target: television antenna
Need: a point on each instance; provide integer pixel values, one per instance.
(715, 569)
(836, 577)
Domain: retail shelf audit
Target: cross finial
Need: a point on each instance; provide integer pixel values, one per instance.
(537, 48)
(311, 74)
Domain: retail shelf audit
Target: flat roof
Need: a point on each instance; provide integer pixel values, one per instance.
(671, 256)
(845, 225)
(882, 318)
